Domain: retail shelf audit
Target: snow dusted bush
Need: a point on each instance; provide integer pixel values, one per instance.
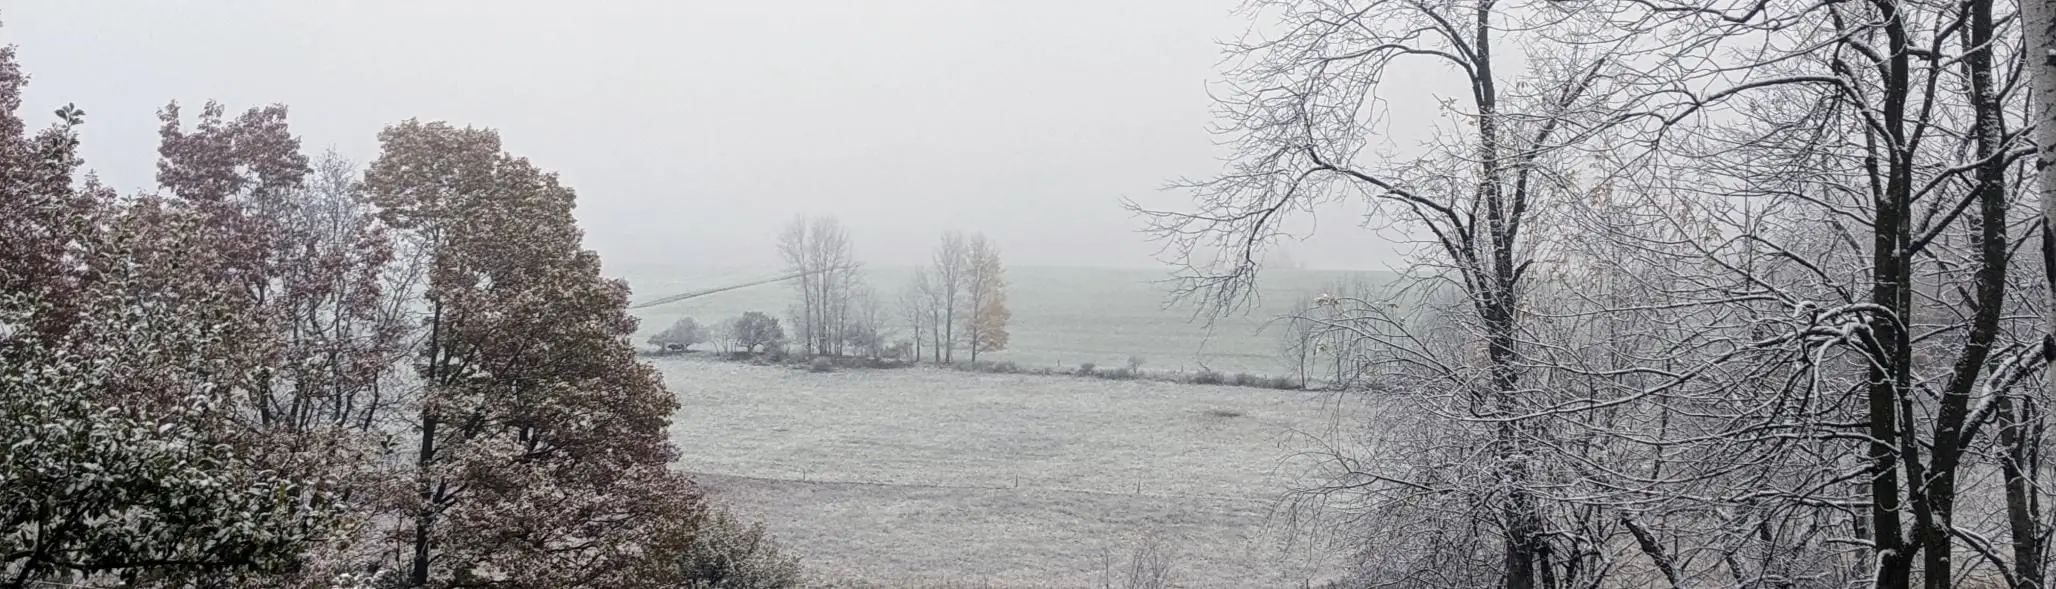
(755, 331)
(728, 554)
(93, 485)
(681, 336)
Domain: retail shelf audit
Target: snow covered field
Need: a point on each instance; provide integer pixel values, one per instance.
(920, 475)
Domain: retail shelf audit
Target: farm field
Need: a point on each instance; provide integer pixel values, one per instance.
(1061, 316)
(908, 476)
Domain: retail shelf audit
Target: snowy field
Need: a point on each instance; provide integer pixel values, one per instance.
(1062, 316)
(912, 476)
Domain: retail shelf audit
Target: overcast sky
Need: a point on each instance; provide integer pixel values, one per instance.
(693, 130)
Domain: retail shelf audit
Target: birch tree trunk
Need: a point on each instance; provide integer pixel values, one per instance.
(2040, 18)
(2039, 28)
(2039, 25)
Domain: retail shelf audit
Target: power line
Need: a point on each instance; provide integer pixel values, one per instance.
(704, 292)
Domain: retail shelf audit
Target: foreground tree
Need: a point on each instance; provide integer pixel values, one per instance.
(541, 453)
(124, 366)
(1299, 139)
(1909, 159)
(1739, 316)
(297, 247)
(206, 386)
(95, 488)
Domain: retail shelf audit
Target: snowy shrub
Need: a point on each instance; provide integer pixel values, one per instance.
(1208, 377)
(755, 331)
(821, 364)
(1086, 369)
(993, 367)
(727, 554)
(131, 486)
(1149, 564)
(680, 336)
(898, 350)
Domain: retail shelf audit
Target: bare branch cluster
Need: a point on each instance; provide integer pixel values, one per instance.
(1705, 292)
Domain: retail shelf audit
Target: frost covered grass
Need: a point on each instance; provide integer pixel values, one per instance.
(930, 476)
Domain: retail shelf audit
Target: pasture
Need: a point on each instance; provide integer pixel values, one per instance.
(903, 477)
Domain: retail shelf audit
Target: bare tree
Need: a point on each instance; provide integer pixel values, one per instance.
(1862, 174)
(869, 327)
(1805, 258)
(1321, 335)
(918, 310)
(952, 267)
(819, 252)
(1297, 124)
(795, 247)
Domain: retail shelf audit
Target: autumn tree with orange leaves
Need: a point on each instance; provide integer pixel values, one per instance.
(985, 328)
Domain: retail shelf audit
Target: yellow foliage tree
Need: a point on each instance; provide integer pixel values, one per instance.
(988, 289)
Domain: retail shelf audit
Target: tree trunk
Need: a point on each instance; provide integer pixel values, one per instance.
(1498, 307)
(2039, 17)
(1990, 239)
(424, 461)
(424, 516)
(2023, 512)
(1891, 387)
(948, 348)
(2039, 26)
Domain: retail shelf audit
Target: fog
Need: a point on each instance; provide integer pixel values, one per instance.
(694, 130)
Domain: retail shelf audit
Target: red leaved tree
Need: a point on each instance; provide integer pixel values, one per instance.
(541, 451)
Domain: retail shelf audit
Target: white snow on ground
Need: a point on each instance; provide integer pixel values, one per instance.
(923, 475)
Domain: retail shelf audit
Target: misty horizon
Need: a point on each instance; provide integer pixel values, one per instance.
(692, 132)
